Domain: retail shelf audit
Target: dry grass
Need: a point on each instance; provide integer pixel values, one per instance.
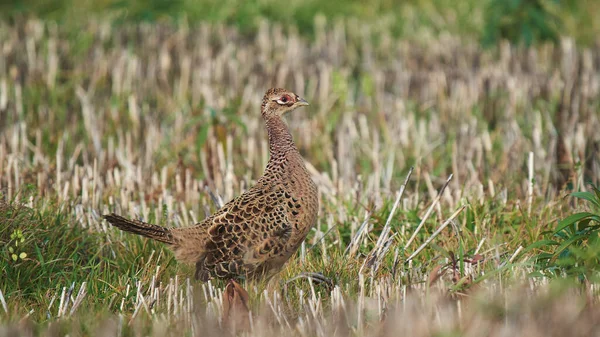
(163, 123)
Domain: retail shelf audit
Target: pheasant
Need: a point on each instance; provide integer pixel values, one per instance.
(254, 234)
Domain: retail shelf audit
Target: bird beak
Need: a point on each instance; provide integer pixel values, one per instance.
(301, 102)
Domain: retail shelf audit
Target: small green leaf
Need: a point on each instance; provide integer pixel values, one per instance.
(571, 219)
(543, 256)
(567, 243)
(589, 196)
(541, 243)
(596, 191)
(23, 255)
(11, 250)
(14, 257)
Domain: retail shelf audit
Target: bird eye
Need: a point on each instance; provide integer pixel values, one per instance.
(284, 100)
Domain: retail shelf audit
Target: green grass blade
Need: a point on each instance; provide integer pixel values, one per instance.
(572, 219)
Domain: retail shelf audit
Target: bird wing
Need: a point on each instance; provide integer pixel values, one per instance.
(245, 234)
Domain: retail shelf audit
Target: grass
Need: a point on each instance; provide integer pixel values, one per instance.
(150, 120)
(489, 21)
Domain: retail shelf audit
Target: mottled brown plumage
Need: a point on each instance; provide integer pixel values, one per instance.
(254, 234)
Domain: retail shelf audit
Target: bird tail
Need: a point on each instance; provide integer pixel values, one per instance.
(151, 231)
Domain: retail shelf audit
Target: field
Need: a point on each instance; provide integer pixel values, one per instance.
(457, 184)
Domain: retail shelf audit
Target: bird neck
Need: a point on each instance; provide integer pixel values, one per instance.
(280, 138)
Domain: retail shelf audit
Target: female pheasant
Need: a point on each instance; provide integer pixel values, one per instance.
(254, 234)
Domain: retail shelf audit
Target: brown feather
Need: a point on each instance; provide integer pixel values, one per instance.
(151, 231)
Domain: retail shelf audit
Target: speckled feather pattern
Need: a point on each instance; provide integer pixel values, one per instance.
(254, 234)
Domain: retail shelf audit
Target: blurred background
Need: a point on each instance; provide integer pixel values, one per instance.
(150, 108)
(488, 21)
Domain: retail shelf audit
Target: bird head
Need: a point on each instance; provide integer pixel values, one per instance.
(278, 101)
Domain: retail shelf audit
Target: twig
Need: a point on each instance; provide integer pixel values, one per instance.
(320, 278)
(383, 245)
(360, 233)
(4, 306)
(387, 228)
(530, 185)
(429, 211)
(80, 296)
(438, 231)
